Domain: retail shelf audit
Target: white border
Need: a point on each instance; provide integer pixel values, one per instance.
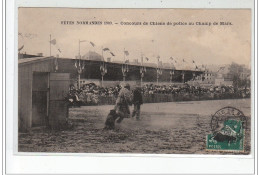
(111, 163)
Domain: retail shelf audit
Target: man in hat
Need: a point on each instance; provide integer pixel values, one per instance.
(137, 101)
(122, 102)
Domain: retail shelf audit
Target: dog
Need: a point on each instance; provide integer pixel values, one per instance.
(110, 121)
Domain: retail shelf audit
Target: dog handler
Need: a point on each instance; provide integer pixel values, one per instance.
(122, 102)
(137, 101)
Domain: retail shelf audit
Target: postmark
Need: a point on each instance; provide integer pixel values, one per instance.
(228, 126)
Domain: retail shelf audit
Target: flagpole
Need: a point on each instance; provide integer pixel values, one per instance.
(103, 55)
(142, 58)
(103, 68)
(79, 68)
(142, 70)
(50, 45)
(157, 62)
(124, 68)
(124, 54)
(79, 48)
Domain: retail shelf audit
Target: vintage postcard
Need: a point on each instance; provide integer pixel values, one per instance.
(146, 81)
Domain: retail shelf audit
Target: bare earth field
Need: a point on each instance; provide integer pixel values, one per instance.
(165, 128)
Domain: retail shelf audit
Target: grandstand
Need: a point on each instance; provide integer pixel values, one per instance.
(93, 61)
(114, 72)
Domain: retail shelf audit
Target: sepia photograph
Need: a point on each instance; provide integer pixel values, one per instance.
(139, 81)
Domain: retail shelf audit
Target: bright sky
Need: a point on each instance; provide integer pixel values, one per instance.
(220, 44)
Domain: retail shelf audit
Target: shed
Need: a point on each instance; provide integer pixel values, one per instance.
(41, 93)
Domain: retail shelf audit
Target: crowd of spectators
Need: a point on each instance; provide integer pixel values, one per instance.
(197, 90)
(91, 94)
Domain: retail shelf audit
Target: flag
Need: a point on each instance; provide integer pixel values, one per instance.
(171, 58)
(126, 52)
(20, 48)
(59, 50)
(82, 41)
(92, 44)
(53, 41)
(106, 49)
(147, 59)
(112, 54)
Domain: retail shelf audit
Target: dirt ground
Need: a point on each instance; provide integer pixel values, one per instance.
(165, 128)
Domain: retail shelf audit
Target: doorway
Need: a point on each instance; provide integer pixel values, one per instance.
(40, 94)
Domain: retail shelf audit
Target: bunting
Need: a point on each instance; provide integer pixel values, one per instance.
(83, 66)
(56, 64)
(76, 64)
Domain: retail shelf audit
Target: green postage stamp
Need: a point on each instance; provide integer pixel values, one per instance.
(228, 130)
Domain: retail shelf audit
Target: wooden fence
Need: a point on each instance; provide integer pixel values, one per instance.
(160, 98)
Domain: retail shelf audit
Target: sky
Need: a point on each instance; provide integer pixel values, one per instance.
(214, 44)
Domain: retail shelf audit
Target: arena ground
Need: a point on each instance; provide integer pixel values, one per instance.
(171, 128)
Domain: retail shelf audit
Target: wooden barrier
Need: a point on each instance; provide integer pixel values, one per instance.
(161, 98)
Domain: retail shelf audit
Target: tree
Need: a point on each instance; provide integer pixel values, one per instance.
(235, 71)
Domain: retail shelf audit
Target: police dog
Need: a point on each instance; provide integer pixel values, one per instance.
(110, 121)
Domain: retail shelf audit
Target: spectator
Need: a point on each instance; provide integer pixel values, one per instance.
(137, 101)
(91, 94)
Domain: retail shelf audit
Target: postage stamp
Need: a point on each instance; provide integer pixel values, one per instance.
(228, 130)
